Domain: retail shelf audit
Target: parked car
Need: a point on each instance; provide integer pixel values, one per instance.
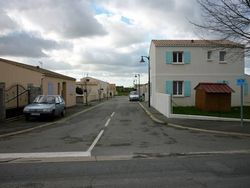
(45, 105)
(134, 96)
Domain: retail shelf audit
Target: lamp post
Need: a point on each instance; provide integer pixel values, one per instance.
(86, 90)
(142, 61)
(138, 86)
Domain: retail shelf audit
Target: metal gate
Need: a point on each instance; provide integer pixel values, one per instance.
(16, 97)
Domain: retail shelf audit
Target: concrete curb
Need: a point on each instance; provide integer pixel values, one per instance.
(81, 158)
(192, 128)
(208, 131)
(209, 118)
(152, 116)
(50, 123)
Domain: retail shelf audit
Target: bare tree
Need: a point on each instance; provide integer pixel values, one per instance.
(229, 19)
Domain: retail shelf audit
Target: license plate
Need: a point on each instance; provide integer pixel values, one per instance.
(35, 114)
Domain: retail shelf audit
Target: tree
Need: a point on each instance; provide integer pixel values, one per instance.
(79, 91)
(229, 19)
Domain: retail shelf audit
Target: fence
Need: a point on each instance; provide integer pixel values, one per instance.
(162, 103)
(14, 98)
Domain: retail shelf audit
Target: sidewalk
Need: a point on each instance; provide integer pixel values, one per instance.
(20, 125)
(224, 127)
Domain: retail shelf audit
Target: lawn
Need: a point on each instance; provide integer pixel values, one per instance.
(233, 113)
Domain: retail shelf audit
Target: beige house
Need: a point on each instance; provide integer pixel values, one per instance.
(50, 83)
(95, 89)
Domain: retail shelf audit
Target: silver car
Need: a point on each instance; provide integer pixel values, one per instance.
(45, 105)
(134, 96)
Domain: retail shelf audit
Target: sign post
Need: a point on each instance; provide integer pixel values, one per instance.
(241, 82)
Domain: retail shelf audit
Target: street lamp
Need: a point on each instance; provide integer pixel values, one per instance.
(142, 61)
(86, 90)
(138, 86)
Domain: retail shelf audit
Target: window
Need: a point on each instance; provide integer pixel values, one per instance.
(57, 100)
(209, 55)
(178, 88)
(222, 56)
(177, 57)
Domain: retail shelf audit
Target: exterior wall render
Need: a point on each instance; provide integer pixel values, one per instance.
(57, 86)
(198, 70)
(12, 74)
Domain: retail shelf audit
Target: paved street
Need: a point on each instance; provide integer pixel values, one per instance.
(193, 172)
(118, 129)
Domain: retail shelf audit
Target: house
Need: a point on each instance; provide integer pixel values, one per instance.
(23, 77)
(177, 66)
(95, 89)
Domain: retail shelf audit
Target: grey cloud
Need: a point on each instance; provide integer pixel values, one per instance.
(69, 19)
(6, 23)
(114, 62)
(26, 45)
(48, 63)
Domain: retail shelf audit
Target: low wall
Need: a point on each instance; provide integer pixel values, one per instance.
(162, 103)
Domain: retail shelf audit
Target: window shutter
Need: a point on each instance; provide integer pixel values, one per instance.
(169, 87)
(245, 89)
(169, 57)
(187, 88)
(187, 57)
(50, 88)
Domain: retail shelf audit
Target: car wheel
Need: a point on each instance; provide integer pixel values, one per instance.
(63, 113)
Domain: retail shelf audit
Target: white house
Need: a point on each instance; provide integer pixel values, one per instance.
(177, 66)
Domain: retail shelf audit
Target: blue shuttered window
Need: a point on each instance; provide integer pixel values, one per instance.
(187, 88)
(169, 87)
(169, 57)
(187, 57)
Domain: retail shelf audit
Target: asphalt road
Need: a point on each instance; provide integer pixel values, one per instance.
(216, 171)
(119, 129)
(129, 131)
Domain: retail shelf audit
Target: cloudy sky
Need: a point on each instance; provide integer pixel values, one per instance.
(99, 38)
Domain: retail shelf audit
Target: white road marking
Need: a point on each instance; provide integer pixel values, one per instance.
(100, 134)
(112, 114)
(43, 155)
(47, 155)
(107, 123)
(95, 142)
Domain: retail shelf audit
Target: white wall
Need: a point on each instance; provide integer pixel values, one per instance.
(162, 103)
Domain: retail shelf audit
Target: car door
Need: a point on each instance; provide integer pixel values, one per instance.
(61, 101)
(58, 106)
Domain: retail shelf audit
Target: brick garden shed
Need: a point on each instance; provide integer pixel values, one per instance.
(213, 96)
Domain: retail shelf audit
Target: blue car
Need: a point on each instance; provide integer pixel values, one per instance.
(45, 106)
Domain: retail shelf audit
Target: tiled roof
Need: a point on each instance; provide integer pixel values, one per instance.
(196, 43)
(214, 88)
(38, 69)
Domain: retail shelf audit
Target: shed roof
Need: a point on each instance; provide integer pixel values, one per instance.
(197, 43)
(38, 69)
(214, 87)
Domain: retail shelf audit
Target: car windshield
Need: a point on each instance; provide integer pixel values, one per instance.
(45, 99)
(133, 93)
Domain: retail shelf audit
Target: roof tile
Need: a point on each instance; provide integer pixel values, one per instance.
(214, 88)
(196, 43)
(38, 69)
